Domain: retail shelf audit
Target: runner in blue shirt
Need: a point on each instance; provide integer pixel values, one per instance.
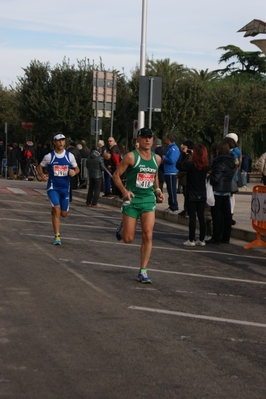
(61, 166)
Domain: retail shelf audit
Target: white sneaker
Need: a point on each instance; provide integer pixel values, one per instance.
(189, 243)
(168, 210)
(207, 238)
(200, 243)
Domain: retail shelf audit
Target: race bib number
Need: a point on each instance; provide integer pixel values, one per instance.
(145, 180)
(60, 170)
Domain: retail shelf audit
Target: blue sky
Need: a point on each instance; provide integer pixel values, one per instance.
(187, 32)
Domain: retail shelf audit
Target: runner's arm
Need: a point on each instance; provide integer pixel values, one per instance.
(74, 166)
(126, 162)
(157, 191)
(42, 165)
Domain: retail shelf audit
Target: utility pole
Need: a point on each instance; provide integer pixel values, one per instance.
(141, 114)
(6, 149)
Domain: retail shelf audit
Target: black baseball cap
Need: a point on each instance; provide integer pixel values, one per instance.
(144, 132)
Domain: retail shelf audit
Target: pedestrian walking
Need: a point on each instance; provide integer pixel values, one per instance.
(139, 196)
(61, 166)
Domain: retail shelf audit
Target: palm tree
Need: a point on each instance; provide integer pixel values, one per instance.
(164, 68)
(205, 76)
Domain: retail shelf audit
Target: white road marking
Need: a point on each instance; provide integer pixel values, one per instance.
(177, 273)
(196, 316)
(43, 192)
(16, 190)
(51, 236)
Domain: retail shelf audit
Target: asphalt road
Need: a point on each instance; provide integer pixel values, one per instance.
(75, 323)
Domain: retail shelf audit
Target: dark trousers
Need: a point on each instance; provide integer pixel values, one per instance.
(185, 198)
(196, 208)
(107, 183)
(171, 189)
(221, 218)
(94, 191)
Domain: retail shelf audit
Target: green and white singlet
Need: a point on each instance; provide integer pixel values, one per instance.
(140, 178)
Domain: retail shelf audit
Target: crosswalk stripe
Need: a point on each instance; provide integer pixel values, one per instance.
(20, 191)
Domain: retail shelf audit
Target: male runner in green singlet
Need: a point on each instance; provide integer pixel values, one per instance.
(139, 196)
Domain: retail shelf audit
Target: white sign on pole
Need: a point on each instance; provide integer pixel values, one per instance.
(135, 128)
(226, 124)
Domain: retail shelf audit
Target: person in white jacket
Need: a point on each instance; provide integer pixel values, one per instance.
(262, 167)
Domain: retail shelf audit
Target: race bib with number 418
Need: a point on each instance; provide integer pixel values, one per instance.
(144, 180)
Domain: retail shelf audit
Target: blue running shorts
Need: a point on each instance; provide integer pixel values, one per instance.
(59, 198)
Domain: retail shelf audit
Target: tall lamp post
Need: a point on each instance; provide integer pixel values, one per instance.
(141, 114)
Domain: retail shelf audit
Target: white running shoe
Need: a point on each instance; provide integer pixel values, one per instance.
(189, 243)
(200, 243)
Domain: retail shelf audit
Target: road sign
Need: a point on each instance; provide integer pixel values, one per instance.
(150, 93)
(104, 92)
(27, 125)
(226, 124)
(94, 127)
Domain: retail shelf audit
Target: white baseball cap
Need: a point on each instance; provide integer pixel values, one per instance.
(233, 136)
(59, 136)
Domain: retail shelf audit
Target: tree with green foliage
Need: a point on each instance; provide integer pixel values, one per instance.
(249, 63)
(9, 114)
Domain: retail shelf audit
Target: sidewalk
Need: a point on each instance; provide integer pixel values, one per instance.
(242, 230)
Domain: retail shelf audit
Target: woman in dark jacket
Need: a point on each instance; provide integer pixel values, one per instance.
(221, 175)
(196, 169)
(95, 167)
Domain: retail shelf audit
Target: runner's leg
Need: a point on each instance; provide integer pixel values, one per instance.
(147, 220)
(128, 231)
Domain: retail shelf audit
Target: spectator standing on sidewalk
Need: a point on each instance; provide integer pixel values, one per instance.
(85, 148)
(11, 161)
(106, 176)
(232, 139)
(83, 155)
(220, 175)
(262, 167)
(61, 166)
(170, 171)
(113, 155)
(2, 154)
(185, 156)
(139, 196)
(245, 169)
(196, 167)
(95, 167)
(159, 151)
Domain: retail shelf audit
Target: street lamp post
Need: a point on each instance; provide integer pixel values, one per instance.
(141, 114)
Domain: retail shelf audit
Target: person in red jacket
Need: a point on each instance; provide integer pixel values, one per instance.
(113, 155)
